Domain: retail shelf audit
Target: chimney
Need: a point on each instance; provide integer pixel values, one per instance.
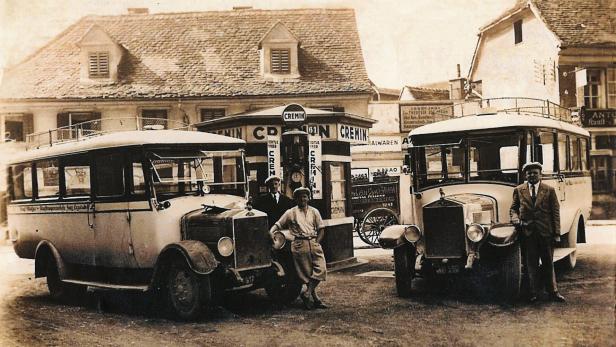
(138, 10)
(456, 86)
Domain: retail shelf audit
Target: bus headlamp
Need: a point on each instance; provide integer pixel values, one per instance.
(475, 232)
(279, 240)
(225, 246)
(412, 233)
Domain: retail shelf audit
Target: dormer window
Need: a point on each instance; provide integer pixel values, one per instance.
(279, 52)
(98, 64)
(280, 62)
(99, 57)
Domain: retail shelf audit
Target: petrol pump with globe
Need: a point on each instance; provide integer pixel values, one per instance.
(307, 148)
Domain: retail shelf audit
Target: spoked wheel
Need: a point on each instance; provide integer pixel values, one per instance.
(373, 224)
(188, 294)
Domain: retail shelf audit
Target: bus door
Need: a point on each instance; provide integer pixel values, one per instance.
(111, 212)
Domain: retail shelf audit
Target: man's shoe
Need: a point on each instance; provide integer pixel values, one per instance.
(532, 299)
(319, 304)
(557, 297)
(306, 301)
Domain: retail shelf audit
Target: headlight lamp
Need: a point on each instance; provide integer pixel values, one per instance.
(475, 232)
(412, 233)
(279, 240)
(225, 246)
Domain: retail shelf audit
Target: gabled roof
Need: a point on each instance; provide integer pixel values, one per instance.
(428, 94)
(576, 23)
(199, 54)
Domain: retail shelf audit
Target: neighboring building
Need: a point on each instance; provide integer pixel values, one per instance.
(563, 51)
(384, 94)
(189, 67)
(185, 68)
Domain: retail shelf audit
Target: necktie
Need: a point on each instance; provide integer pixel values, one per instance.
(276, 197)
(533, 194)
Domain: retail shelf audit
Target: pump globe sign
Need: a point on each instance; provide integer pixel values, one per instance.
(294, 115)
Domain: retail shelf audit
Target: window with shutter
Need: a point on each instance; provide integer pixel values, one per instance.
(280, 61)
(211, 113)
(98, 65)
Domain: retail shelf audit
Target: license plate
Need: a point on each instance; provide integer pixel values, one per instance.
(447, 269)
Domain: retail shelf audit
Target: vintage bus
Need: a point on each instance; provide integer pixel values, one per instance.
(464, 171)
(163, 211)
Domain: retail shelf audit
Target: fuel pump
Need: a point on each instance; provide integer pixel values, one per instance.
(294, 159)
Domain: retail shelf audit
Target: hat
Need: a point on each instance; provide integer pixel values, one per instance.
(272, 177)
(532, 165)
(301, 190)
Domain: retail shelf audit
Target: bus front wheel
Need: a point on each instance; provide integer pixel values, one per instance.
(404, 269)
(510, 280)
(188, 293)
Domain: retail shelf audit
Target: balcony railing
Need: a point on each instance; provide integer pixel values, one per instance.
(98, 127)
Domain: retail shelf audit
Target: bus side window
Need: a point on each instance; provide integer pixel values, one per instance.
(77, 175)
(574, 149)
(48, 178)
(109, 175)
(544, 151)
(584, 156)
(138, 187)
(563, 156)
(21, 181)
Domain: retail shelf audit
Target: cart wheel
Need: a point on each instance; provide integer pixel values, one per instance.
(373, 224)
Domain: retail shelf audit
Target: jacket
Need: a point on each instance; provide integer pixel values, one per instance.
(274, 211)
(543, 217)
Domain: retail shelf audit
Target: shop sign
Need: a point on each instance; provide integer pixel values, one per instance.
(360, 175)
(414, 116)
(237, 132)
(314, 170)
(294, 115)
(352, 134)
(273, 156)
(380, 143)
(384, 171)
(599, 118)
(259, 133)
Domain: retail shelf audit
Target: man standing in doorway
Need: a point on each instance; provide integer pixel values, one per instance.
(306, 225)
(274, 203)
(536, 211)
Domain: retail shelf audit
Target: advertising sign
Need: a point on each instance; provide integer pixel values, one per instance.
(599, 118)
(314, 161)
(352, 134)
(414, 116)
(380, 143)
(294, 115)
(273, 156)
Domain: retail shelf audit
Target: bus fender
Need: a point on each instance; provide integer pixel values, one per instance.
(198, 256)
(392, 236)
(502, 235)
(575, 221)
(44, 250)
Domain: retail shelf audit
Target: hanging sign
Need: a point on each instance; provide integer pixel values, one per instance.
(580, 78)
(294, 115)
(314, 167)
(273, 157)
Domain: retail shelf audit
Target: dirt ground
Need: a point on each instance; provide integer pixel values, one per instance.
(365, 311)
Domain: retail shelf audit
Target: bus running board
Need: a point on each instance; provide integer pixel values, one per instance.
(102, 285)
(560, 253)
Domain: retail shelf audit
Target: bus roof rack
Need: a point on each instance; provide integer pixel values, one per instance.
(97, 127)
(520, 105)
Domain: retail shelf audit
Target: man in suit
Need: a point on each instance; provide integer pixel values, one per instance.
(536, 211)
(273, 202)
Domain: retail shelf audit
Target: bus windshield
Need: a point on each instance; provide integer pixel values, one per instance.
(470, 157)
(220, 172)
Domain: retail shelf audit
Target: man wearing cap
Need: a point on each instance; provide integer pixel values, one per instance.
(273, 202)
(306, 225)
(536, 211)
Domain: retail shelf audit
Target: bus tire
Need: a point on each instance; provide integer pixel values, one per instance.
(510, 280)
(404, 269)
(570, 260)
(57, 289)
(188, 294)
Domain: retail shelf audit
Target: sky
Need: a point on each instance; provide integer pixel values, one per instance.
(404, 42)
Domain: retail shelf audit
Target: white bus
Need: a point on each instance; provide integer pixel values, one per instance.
(157, 210)
(464, 171)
